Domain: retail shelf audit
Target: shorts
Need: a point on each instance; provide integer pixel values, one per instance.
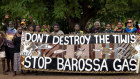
(9, 52)
(2, 54)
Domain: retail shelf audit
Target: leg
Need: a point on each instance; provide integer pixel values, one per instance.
(22, 72)
(8, 58)
(14, 73)
(8, 65)
(12, 64)
(3, 65)
(12, 58)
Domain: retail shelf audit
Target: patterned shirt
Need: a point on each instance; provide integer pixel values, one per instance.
(9, 36)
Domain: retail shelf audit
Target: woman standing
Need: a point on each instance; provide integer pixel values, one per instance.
(16, 42)
(2, 51)
(108, 27)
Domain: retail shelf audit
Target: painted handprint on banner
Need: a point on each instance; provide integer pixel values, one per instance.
(26, 51)
(137, 48)
(79, 52)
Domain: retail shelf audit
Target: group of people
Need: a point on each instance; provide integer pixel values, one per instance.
(10, 39)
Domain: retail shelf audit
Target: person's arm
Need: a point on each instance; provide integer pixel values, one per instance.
(4, 22)
(3, 40)
(5, 18)
(62, 33)
(48, 29)
(31, 20)
(14, 38)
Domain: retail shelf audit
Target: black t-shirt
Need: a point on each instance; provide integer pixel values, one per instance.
(17, 41)
(95, 30)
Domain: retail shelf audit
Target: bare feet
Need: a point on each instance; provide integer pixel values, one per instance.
(14, 74)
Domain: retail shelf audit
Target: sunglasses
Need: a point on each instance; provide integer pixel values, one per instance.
(129, 22)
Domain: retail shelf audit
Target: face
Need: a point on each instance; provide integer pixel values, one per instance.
(11, 24)
(96, 25)
(44, 26)
(108, 26)
(56, 28)
(129, 23)
(38, 28)
(119, 25)
(22, 25)
(20, 30)
(77, 27)
(31, 28)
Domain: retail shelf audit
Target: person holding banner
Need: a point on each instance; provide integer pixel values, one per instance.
(2, 51)
(31, 28)
(108, 28)
(56, 29)
(77, 29)
(130, 27)
(38, 28)
(119, 28)
(10, 32)
(23, 25)
(45, 29)
(17, 42)
(96, 28)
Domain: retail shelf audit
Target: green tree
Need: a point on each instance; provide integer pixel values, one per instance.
(69, 12)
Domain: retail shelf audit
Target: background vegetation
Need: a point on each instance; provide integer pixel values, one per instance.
(69, 12)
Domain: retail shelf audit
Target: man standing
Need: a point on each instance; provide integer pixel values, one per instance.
(77, 29)
(96, 28)
(9, 48)
(57, 31)
(130, 27)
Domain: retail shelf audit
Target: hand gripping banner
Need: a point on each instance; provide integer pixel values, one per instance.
(86, 53)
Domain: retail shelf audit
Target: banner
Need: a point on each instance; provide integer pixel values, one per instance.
(87, 53)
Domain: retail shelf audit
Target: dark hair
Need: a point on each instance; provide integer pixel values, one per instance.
(19, 27)
(107, 24)
(77, 24)
(38, 25)
(120, 22)
(130, 19)
(56, 24)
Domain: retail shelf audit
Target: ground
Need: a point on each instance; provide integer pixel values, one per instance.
(48, 75)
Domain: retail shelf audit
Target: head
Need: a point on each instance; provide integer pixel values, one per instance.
(108, 26)
(11, 24)
(44, 26)
(129, 23)
(119, 25)
(23, 24)
(97, 24)
(38, 28)
(76, 27)
(56, 27)
(19, 29)
(31, 28)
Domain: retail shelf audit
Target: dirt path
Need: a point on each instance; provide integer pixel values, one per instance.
(49, 75)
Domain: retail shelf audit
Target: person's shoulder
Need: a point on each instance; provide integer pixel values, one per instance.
(135, 28)
(61, 31)
(125, 28)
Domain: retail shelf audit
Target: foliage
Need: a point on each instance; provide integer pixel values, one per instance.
(69, 12)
